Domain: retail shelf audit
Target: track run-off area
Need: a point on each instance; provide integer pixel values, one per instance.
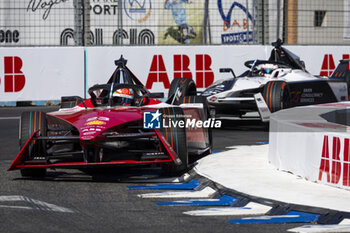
(122, 199)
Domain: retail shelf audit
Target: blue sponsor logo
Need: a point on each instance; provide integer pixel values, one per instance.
(235, 38)
(138, 10)
(152, 120)
(227, 17)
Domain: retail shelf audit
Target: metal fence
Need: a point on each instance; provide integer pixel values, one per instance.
(172, 22)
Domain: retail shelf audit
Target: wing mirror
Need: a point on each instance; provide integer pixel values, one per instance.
(227, 70)
(74, 100)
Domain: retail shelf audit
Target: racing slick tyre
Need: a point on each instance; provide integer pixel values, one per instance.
(203, 100)
(195, 100)
(176, 137)
(31, 122)
(276, 95)
(187, 86)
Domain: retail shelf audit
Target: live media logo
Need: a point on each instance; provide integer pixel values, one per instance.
(151, 120)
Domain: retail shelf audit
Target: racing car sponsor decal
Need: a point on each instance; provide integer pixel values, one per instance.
(213, 99)
(263, 109)
(220, 86)
(97, 122)
(333, 168)
(316, 92)
(156, 120)
(98, 118)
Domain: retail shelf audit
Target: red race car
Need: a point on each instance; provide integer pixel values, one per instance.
(122, 123)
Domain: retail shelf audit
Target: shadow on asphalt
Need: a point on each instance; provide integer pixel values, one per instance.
(109, 175)
(238, 125)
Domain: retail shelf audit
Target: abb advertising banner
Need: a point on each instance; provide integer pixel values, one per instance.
(318, 157)
(155, 66)
(29, 74)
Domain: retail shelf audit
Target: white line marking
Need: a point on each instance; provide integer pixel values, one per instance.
(38, 205)
(321, 228)
(9, 118)
(250, 209)
(181, 179)
(205, 193)
(16, 207)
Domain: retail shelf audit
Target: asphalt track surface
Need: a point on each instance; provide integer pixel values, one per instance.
(101, 202)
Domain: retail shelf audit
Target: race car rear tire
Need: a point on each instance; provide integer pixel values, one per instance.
(276, 95)
(29, 123)
(187, 84)
(176, 137)
(203, 100)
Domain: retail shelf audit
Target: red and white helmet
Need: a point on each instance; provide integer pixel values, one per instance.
(127, 95)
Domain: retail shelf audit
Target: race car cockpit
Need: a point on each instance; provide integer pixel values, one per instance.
(122, 94)
(122, 89)
(262, 68)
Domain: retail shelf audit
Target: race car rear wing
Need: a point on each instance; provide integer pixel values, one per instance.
(342, 71)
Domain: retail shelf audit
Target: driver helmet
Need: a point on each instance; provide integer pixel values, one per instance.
(126, 95)
(266, 69)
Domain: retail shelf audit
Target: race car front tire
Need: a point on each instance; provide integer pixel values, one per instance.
(195, 100)
(276, 95)
(203, 100)
(29, 123)
(176, 137)
(187, 84)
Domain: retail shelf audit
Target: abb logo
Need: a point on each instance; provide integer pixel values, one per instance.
(335, 166)
(328, 64)
(158, 72)
(14, 79)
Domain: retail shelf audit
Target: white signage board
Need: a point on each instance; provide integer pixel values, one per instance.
(156, 67)
(30, 74)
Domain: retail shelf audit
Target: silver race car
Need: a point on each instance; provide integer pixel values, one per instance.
(282, 81)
